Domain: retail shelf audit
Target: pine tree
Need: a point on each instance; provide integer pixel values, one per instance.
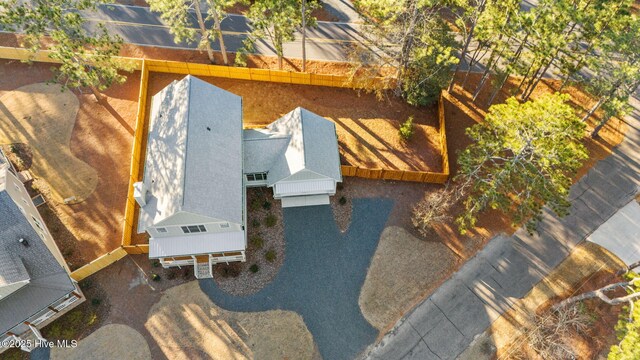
(523, 157)
(88, 60)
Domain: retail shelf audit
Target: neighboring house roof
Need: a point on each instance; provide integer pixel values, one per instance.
(194, 154)
(12, 270)
(48, 281)
(312, 146)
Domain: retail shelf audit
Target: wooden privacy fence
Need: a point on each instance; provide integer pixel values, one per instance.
(136, 154)
(98, 264)
(408, 175)
(137, 249)
(180, 67)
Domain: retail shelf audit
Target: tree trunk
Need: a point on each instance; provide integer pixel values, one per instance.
(593, 109)
(486, 73)
(99, 96)
(600, 294)
(537, 81)
(204, 33)
(466, 44)
(218, 29)
(513, 59)
(475, 58)
(407, 44)
(304, 36)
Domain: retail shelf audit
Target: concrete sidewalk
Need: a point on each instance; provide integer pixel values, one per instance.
(621, 234)
(444, 325)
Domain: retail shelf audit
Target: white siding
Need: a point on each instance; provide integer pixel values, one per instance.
(309, 200)
(315, 187)
(204, 243)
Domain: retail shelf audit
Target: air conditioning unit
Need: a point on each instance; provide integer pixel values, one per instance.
(140, 193)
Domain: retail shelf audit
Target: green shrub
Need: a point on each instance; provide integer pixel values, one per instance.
(271, 220)
(155, 277)
(343, 200)
(270, 255)
(266, 205)
(156, 263)
(95, 301)
(406, 129)
(255, 223)
(257, 241)
(254, 268)
(255, 204)
(13, 148)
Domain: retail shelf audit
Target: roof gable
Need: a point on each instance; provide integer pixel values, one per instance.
(313, 146)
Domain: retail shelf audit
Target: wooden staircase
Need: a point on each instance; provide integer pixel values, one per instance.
(203, 270)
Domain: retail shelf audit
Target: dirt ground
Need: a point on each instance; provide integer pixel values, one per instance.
(173, 310)
(588, 267)
(367, 128)
(461, 113)
(42, 117)
(101, 137)
(113, 341)
(201, 329)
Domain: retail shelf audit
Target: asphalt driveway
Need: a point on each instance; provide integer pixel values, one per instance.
(322, 275)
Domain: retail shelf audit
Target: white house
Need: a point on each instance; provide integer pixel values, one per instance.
(199, 162)
(35, 286)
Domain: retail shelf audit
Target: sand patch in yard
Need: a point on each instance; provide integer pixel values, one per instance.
(403, 269)
(44, 116)
(186, 324)
(113, 341)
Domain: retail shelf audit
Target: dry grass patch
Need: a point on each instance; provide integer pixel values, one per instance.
(113, 341)
(403, 269)
(43, 116)
(186, 324)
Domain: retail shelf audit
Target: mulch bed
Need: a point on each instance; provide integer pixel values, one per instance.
(265, 250)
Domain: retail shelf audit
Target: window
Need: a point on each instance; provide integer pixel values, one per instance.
(257, 177)
(161, 230)
(193, 229)
(224, 225)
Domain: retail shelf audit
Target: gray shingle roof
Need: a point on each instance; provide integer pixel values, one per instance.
(48, 280)
(262, 148)
(313, 146)
(12, 270)
(194, 153)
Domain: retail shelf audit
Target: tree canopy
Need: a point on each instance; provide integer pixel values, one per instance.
(87, 57)
(179, 15)
(522, 157)
(277, 20)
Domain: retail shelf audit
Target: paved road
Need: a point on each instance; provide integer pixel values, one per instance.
(444, 325)
(140, 26)
(322, 275)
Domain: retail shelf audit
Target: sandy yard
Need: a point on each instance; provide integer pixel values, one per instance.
(200, 329)
(113, 341)
(43, 116)
(367, 128)
(393, 287)
(99, 136)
